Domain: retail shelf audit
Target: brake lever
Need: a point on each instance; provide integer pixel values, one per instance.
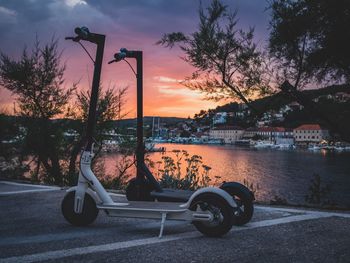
(112, 61)
(75, 39)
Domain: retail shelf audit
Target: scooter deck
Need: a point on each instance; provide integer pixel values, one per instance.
(155, 210)
(167, 207)
(172, 195)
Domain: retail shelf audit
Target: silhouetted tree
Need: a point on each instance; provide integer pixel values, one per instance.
(36, 80)
(310, 38)
(110, 106)
(227, 62)
(309, 44)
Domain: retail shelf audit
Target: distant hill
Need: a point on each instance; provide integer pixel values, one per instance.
(278, 100)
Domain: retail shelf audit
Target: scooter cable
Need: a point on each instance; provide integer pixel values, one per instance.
(87, 52)
(131, 67)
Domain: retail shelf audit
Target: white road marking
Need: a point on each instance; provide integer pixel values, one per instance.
(38, 188)
(76, 233)
(58, 254)
(26, 191)
(292, 210)
(30, 185)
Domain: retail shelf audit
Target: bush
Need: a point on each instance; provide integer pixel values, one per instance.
(193, 176)
(318, 194)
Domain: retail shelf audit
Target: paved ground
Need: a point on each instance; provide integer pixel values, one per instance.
(33, 229)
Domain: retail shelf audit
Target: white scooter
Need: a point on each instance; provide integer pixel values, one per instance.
(210, 209)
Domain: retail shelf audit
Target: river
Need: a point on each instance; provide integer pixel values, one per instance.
(283, 174)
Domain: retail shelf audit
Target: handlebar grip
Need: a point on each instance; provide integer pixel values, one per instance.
(75, 39)
(119, 56)
(82, 32)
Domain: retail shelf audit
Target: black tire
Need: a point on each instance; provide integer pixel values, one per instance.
(245, 210)
(222, 210)
(88, 214)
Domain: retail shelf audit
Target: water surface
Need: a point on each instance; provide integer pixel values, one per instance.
(274, 173)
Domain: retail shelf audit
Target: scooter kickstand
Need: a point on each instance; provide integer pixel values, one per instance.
(162, 225)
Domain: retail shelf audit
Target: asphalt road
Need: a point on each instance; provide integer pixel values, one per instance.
(32, 229)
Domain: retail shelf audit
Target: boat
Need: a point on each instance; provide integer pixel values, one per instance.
(151, 147)
(242, 142)
(264, 144)
(215, 141)
(314, 147)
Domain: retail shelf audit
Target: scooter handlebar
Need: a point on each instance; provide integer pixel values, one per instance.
(83, 33)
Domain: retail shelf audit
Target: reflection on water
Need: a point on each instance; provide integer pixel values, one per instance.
(282, 173)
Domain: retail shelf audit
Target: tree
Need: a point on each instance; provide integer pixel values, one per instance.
(227, 62)
(311, 39)
(309, 44)
(36, 80)
(110, 106)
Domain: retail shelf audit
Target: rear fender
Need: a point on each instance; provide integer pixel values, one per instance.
(213, 190)
(232, 187)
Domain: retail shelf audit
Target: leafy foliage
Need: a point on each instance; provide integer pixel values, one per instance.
(194, 175)
(36, 80)
(317, 192)
(227, 61)
(110, 107)
(310, 39)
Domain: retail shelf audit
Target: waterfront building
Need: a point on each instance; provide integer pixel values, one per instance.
(250, 133)
(279, 135)
(310, 133)
(227, 134)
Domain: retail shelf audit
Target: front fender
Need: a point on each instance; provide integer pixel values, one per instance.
(89, 191)
(213, 190)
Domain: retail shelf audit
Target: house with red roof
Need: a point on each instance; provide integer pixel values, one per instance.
(310, 133)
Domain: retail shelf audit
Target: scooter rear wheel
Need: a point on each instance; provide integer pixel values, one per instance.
(221, 210)
(243, 213)
(87, 216)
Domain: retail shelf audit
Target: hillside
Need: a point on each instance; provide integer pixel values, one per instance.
(278, 100)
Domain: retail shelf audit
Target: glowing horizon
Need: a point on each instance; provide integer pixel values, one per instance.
(137, 25)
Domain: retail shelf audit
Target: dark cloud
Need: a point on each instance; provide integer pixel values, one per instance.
(160, 16)
(29, 11)
(135, 24)
(21, 19)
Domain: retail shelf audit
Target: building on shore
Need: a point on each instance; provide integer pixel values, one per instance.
(250, 133)
(274, 133)
(227, 134)
(310, 133)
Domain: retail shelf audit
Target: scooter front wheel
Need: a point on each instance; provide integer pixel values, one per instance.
(88, 214)
(222, 214)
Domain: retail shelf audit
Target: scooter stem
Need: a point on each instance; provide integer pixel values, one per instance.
(91, 122)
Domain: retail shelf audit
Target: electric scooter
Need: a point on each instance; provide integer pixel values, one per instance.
(210, 209)
(144, 187)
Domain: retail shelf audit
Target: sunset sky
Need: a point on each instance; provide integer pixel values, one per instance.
(135, 24)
